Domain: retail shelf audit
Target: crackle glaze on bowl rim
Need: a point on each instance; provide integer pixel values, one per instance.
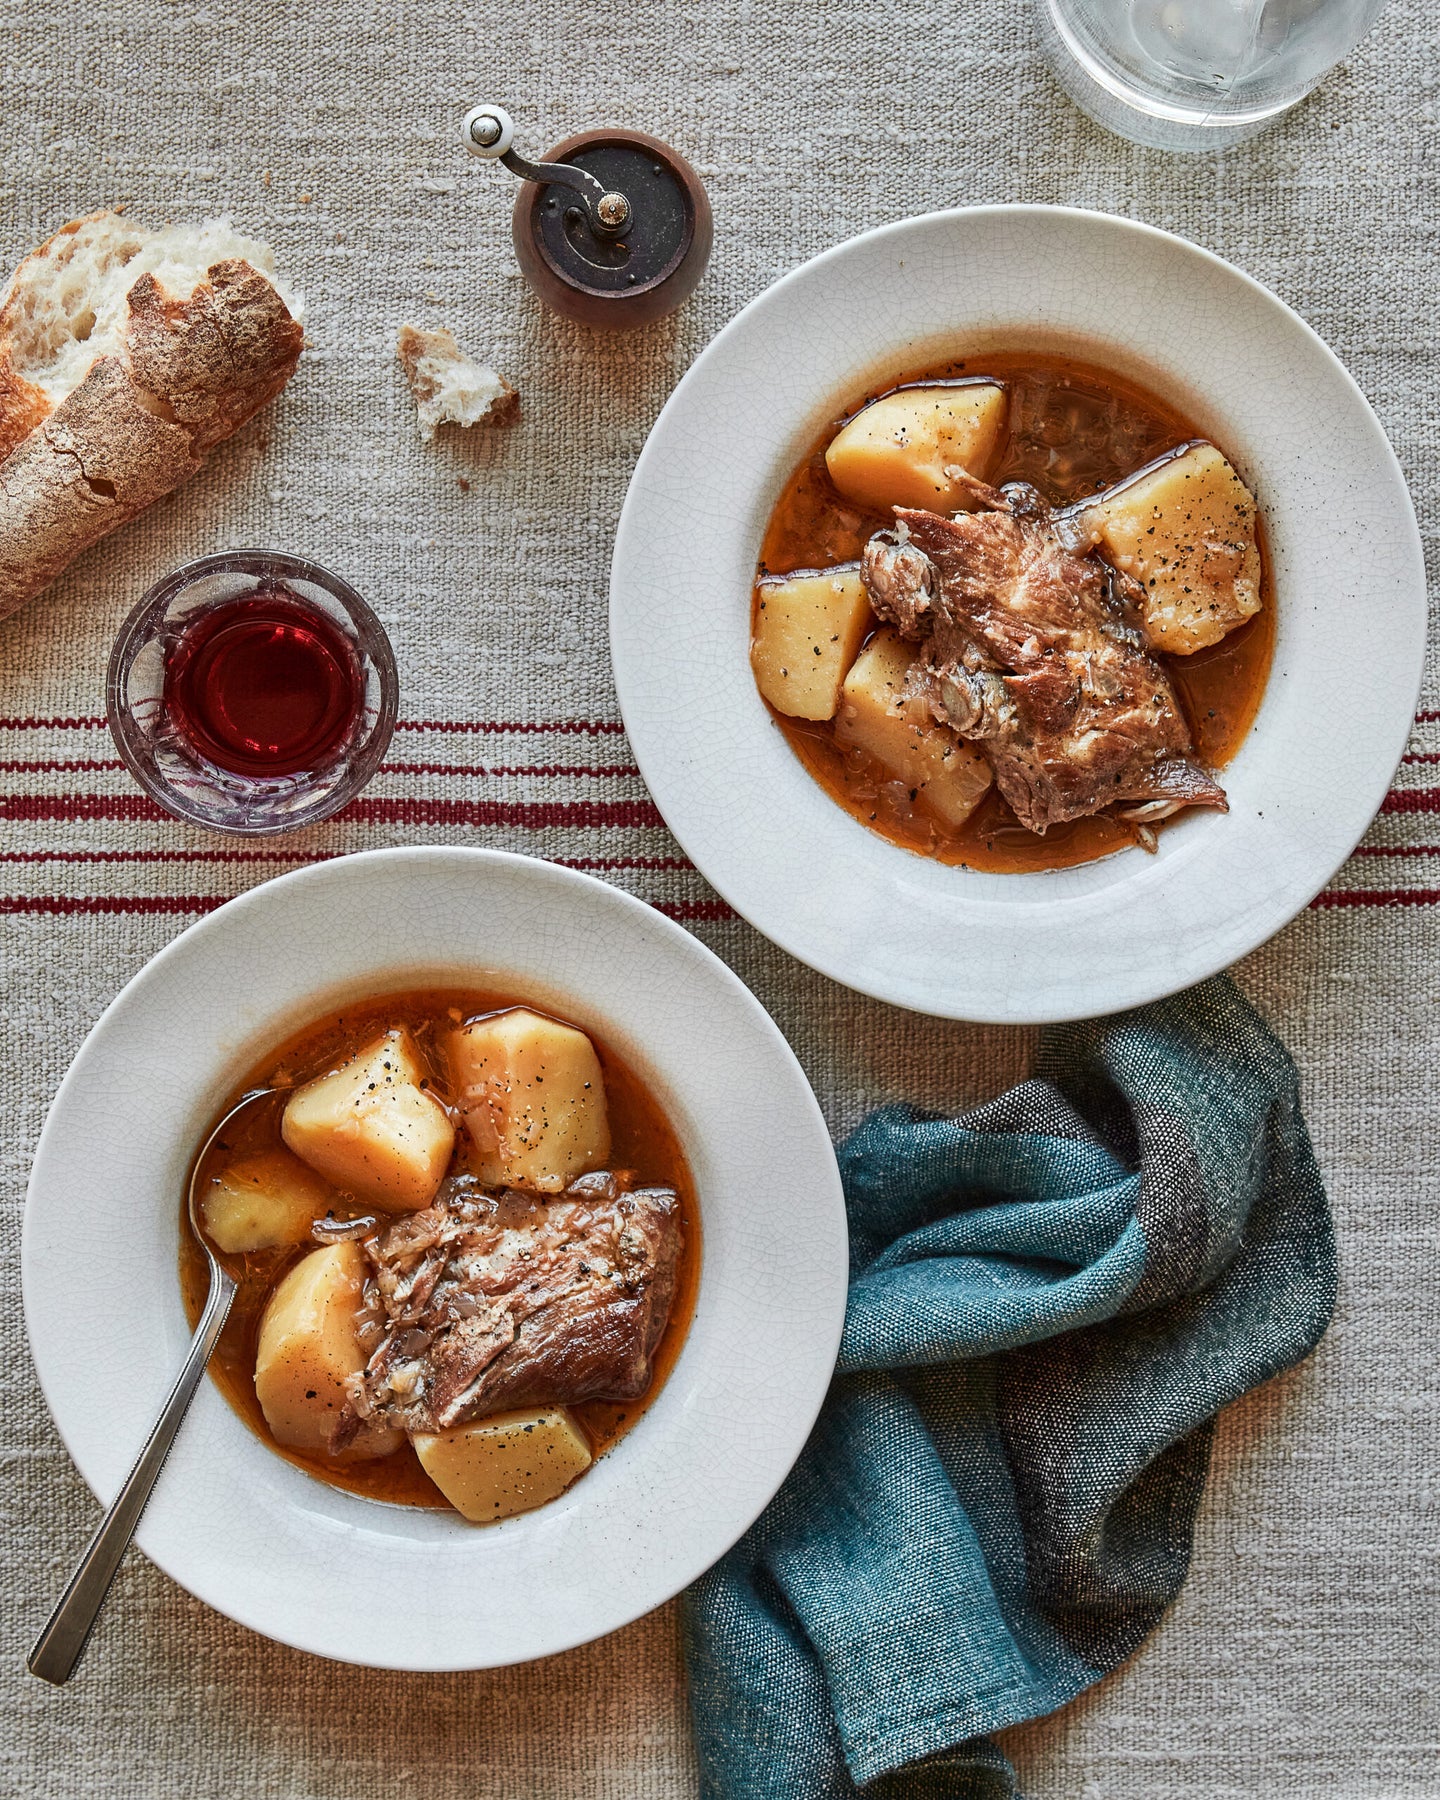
(332, 1572)
(1347, 575)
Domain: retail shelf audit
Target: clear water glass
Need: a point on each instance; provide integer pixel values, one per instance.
(1196, 74)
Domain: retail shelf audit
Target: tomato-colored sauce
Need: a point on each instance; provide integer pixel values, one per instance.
(264, 685)
(1072, 430)
(642, 1140)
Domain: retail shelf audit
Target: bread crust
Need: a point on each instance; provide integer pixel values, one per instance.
(22, 407)
(99, 459)
(215, 359)
(191, 373)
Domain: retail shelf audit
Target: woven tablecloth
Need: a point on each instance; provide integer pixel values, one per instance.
(1302, 1657)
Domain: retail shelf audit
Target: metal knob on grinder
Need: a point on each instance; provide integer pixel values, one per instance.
(612, 228)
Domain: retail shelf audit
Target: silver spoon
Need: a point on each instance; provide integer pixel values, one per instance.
(61, 1644)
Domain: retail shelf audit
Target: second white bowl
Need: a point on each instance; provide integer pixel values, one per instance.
(333, 1572)
(1347, 576)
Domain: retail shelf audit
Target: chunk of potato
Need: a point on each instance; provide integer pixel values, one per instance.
(900, 450)
(260, 1202)
(1186, 532)
(948, 774)
(533, 1098)
(808, 629)
(308, 1345)
(509, 1463)
(372, 1129)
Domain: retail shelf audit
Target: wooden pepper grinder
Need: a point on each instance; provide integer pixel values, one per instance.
(613, 228)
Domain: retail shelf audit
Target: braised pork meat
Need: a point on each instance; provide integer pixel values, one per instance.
(1035, 653)
(486, 1300)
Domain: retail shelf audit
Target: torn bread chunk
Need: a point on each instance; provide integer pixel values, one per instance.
(74, 300)
(450, 388)
(126, 355)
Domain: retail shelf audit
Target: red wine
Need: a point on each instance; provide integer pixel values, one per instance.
(263, 685)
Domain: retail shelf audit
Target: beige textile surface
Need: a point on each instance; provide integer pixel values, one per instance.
(1301, 1658)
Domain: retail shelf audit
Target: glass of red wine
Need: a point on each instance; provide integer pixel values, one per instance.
(252, 692)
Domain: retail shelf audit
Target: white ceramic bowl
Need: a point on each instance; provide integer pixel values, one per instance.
(1348, 584)
(330, 1571)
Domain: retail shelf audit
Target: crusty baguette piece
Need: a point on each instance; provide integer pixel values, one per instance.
(126, 355)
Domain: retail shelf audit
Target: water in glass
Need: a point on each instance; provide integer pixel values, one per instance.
(1196, 74)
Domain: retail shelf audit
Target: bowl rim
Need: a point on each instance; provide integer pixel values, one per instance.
(706, 1544)
(815, 949)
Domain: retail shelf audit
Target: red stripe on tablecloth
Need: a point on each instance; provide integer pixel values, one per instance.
(531, 815)
(573, 727)
(679, 863)
(691, 911)
(1396, 850)
(657, 863)
(31, 724)
(168, 856)
(68, 905)
(1411, 800)
(91, 766)
(567, 727)
(111, 903)
(602, 770)
(68, 807)
(59, 766)
(547, 771)
(1378, 897)
(528, 815)
(581, 727)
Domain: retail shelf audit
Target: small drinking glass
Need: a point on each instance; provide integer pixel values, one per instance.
(1196, 74)
(252, 692)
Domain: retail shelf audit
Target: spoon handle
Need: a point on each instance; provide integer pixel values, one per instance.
(61, 1644)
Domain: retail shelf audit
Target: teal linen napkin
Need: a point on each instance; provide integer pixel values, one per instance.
(1051, 1298)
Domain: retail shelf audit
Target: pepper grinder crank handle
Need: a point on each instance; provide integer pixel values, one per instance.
(489, 132)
